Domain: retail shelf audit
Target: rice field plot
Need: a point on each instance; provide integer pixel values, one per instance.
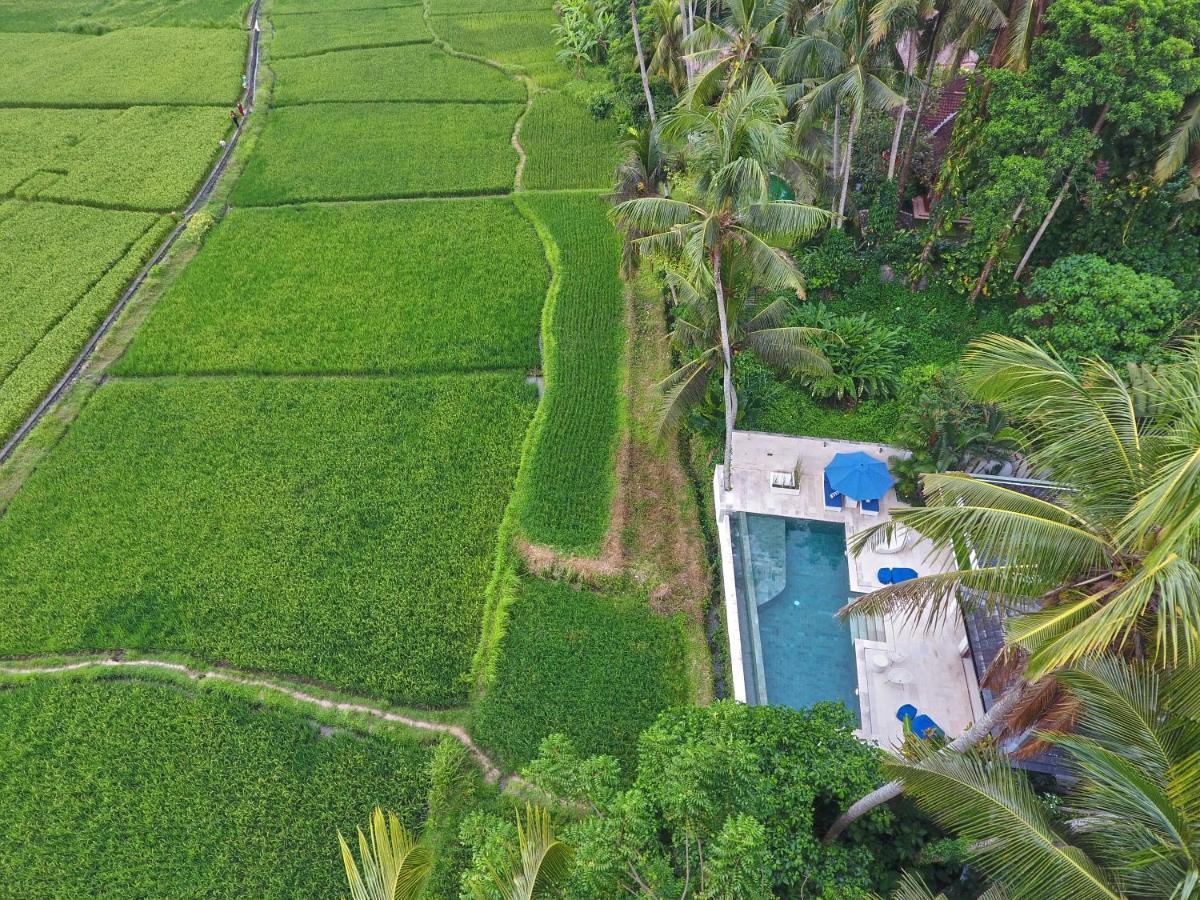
(50, 256)
(523, 40)
(411, 286)
(567, 479)
(100, 16)
(288, 7)
(29, 138)
(320, 32)
(461, 7)
(418, 72)
(340, 529)
(39, 369)
(596, 667)
(374, 151)
(567, 146)
(184, 66)
(147, 157)
(115, 788)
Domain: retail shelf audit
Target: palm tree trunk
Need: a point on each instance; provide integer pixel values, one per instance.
(1062, 193)
(982, 280)
(965, 741)
(727, 376)
(909, 61)
(841, 210)
(837, 137)
(637, 43)
(910, 146)
(686, 31)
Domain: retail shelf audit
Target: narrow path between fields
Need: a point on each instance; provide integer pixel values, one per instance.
(201, 197)
(292, 690)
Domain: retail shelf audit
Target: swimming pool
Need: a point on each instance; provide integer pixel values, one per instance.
(791, 578)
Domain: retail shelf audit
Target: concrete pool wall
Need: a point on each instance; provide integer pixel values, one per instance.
(898, 662)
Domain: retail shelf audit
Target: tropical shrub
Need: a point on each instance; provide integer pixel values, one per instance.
(584, 32)
(122, 788)
(866, 356)
(1086, 306)
(831, 262)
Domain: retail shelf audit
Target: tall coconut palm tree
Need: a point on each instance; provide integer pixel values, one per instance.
(733, 216)
(394, 864)
(641, 173)
(753, 325)
(667, 57)
(841, 65)
(641, 58)
(731, 51)
(1131, 825)
(1109, 564)
(540, 863)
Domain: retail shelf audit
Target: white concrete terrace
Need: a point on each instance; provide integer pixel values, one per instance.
(898, 662)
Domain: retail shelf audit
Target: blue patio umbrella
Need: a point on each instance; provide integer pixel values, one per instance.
(859, 476)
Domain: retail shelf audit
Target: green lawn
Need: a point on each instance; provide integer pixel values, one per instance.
(410, 286)
(364, 151)
(125, 789)
(567, 146)
(596, 667)
(567, 482)
(147, 157)
(341, 529)
(97, 16)
(123, 68)
(522, 39)
(45, 359)
(320, 32)
(419, 72)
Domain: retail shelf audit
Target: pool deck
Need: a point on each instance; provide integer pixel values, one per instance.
(927, 666)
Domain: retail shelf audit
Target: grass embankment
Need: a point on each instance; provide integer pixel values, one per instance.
(127, 789)
(337, 529)
(358, 288)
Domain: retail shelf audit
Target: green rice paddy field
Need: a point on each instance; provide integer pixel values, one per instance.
(312, 456)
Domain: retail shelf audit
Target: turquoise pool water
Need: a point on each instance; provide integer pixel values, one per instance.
(792, 578)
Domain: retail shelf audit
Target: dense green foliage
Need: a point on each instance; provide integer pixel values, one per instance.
(567, 480)
(1085, 306)
(341, 529)
(147, 157)
(353, 289)
(123, 789)
(43, 362)
(122, 68)
(865, 355)
(421, 72)
(374, 151)
(761, 779)
(321, 32)
(99, 16)
(567, 147)
(597, 667)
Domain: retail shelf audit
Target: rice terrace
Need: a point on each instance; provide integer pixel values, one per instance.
(579, 448)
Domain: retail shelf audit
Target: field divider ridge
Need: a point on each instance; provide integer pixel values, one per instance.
(201, 196)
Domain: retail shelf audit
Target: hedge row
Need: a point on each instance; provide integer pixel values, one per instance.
(567, 479)
(332, 528)
(125, 789)
(421, 286)
(357, 151)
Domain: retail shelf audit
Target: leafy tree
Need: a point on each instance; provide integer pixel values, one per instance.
(394, 864)
(1086, 306)
(733, 222)
(1111, 565)
(1131, 825)
(727, 802)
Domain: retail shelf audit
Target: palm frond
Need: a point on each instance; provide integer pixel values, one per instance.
(394, 865)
